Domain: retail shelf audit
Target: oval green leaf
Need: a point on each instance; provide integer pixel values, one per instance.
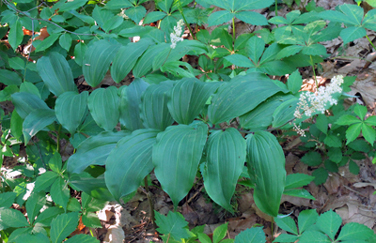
(262, 116)
(285, 112)
(130, 100)
(266, 164)
(25, 103)
(126, 58)
(97, 61)
(70, 109)
(36, 121)
(176, 156)
(62, 226)
(154, 111)
(226, 154)
(104, 107)
(56, 73)
(129, 162)
(242, 94)
(188, 98)
(94, 150)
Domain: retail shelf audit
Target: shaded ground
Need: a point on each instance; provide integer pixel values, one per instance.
(351, 196)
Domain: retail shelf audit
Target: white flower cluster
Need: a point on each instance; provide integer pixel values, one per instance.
(176, 35)
(312, 102)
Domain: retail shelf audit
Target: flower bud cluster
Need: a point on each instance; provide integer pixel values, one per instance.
(309, 102)
(176, 35)
(312, 102)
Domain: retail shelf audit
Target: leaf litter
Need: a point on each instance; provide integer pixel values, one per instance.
(349, 195)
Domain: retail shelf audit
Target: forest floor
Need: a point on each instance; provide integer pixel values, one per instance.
(349, 195)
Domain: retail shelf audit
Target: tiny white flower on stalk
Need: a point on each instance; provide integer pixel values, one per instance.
(309, 102)
(176, 35)
(298, 130)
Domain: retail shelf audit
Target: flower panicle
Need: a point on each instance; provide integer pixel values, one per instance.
(309, 103)
(176, 35)
(312, 102)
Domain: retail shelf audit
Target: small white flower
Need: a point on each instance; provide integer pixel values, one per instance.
(176, 35)
(299, 130)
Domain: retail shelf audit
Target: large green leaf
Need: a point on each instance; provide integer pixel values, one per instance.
(176, 156)
(8, 77)
(240, 60)
(130, 100)
(254, 48)
(188, 98)
(106, 19)
(7, 199)
(251, 17)
(12, 218)
(97, 61)
(56, 73)
(70, 109)
(25, 103)
(36, 121)
(154, 111)
(226, 154)
(240, 95)
(15, 35)
(60, 193)
(355, 231)
(329, 223)
(220, 17)
(262, 116)
(129, 162)
(62, 226)
(266, 165)
(285, 112)
(94, 151)
(145, 62)
(126, 58)
(182, 48)
(104, 107)
(93, 186)
(173, 225)
(136, 13)
(352, 33)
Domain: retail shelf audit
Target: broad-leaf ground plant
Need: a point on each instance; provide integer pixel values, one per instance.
(176, 119)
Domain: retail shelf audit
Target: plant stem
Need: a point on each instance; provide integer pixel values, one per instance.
(276, 7)
(185, 21)
(314, 73)
(371, 42)
(58, 139)
(272, 230)
(233, 30)
(152, 216)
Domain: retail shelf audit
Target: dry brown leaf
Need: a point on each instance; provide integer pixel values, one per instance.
(115, 234)
(364, 184)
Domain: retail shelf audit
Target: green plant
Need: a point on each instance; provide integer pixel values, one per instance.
(173, 228)
(323, 228)
(333, 144)
(171, 122)
(352, 17)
